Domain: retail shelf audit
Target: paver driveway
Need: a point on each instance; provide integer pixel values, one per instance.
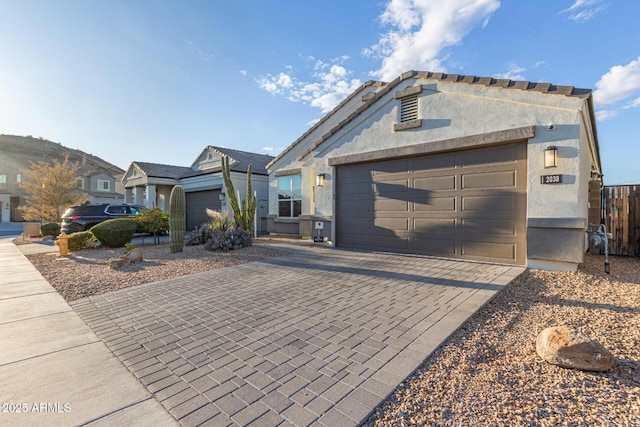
(320, 337)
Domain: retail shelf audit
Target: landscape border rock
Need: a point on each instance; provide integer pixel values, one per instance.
(569, 348)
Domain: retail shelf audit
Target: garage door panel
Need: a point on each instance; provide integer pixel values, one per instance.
(435, 204)
(390, 205)
(351, 206)
(491, 227)
(435, 247)
(356, 188)
(500, 251)
(395, 189)
(488, 203)
(393, 224)
(505, 179)
(440, 183)
(434, 225)
(468, 204)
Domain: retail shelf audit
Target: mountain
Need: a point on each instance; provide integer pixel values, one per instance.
(28, 148)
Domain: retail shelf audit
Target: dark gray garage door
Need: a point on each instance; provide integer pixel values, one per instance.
(467, 204)
(197, 203)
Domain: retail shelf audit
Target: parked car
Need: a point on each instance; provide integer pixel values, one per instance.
(83, 217)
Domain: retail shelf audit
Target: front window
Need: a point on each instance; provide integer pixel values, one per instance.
(3, 182)
(79, 183)
(289, 196)
(104, 185)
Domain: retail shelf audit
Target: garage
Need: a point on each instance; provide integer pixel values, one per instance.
(197, 204)
(468, 204)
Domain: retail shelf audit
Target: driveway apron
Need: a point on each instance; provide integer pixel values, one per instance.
(318, 337)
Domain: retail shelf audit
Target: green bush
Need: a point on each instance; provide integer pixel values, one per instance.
(50, 229)
(152, 221)
(80, 240)
(114, 233)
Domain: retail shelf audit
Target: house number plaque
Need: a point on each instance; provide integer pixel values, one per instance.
(551, 179)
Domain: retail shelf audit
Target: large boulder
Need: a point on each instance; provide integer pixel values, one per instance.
(568, 348)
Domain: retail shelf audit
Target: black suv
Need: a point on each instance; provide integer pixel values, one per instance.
(83, 217)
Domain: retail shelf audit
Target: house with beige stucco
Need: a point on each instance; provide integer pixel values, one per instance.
(150, 184)
(447, 165)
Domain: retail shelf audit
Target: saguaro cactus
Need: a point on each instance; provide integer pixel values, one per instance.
(177, 219)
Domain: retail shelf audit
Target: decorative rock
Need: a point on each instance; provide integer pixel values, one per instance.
(117, 263)
(568, 348)
(134, 255)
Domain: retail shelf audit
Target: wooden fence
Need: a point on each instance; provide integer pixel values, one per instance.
(622, 218)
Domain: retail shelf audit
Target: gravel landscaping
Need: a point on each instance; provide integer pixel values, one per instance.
(85, 273)
(487, 373)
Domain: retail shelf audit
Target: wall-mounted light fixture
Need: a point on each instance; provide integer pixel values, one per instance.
(320, 180)
(221, 197)
(551, 157)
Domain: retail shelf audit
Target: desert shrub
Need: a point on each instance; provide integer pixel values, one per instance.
(114, 233)
(220, 222)
(198, 236)
(229, 239)
(80, 240)
(50, 229)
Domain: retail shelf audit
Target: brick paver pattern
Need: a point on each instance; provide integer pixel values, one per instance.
(319, 337)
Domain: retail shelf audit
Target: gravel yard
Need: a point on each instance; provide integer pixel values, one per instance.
(86, 272)
(488, 372)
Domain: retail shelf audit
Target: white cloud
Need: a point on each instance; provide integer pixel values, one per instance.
(514, 72)
(330, 83)
(621, 82)
(585, 10)
(420, 29)
(618, 89)
(602, 115)
(243, 72)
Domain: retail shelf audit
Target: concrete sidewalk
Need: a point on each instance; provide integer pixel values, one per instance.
(53, 369)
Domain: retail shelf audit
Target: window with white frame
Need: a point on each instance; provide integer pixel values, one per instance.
(3, 182)
(104, 185)
(18, 180)
(80, 183)
(289, 196)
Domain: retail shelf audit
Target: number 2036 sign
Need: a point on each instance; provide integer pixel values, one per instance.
(551, 179)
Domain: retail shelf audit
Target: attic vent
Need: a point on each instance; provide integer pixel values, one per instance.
(408, 108)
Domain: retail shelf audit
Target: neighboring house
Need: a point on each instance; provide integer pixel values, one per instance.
(446, 165)
(96, 183)
(150, 184)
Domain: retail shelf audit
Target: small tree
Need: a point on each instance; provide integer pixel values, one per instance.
(153, 221)
(50, 188)
(243, 213)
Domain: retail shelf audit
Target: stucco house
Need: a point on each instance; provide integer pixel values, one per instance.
(447, 165)
(98, 181)
(150, 184)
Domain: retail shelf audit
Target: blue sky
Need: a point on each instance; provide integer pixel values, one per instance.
(157, 81)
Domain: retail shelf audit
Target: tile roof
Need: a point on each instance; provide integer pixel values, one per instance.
(454, 78)
(242, 158)
(157, 170)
